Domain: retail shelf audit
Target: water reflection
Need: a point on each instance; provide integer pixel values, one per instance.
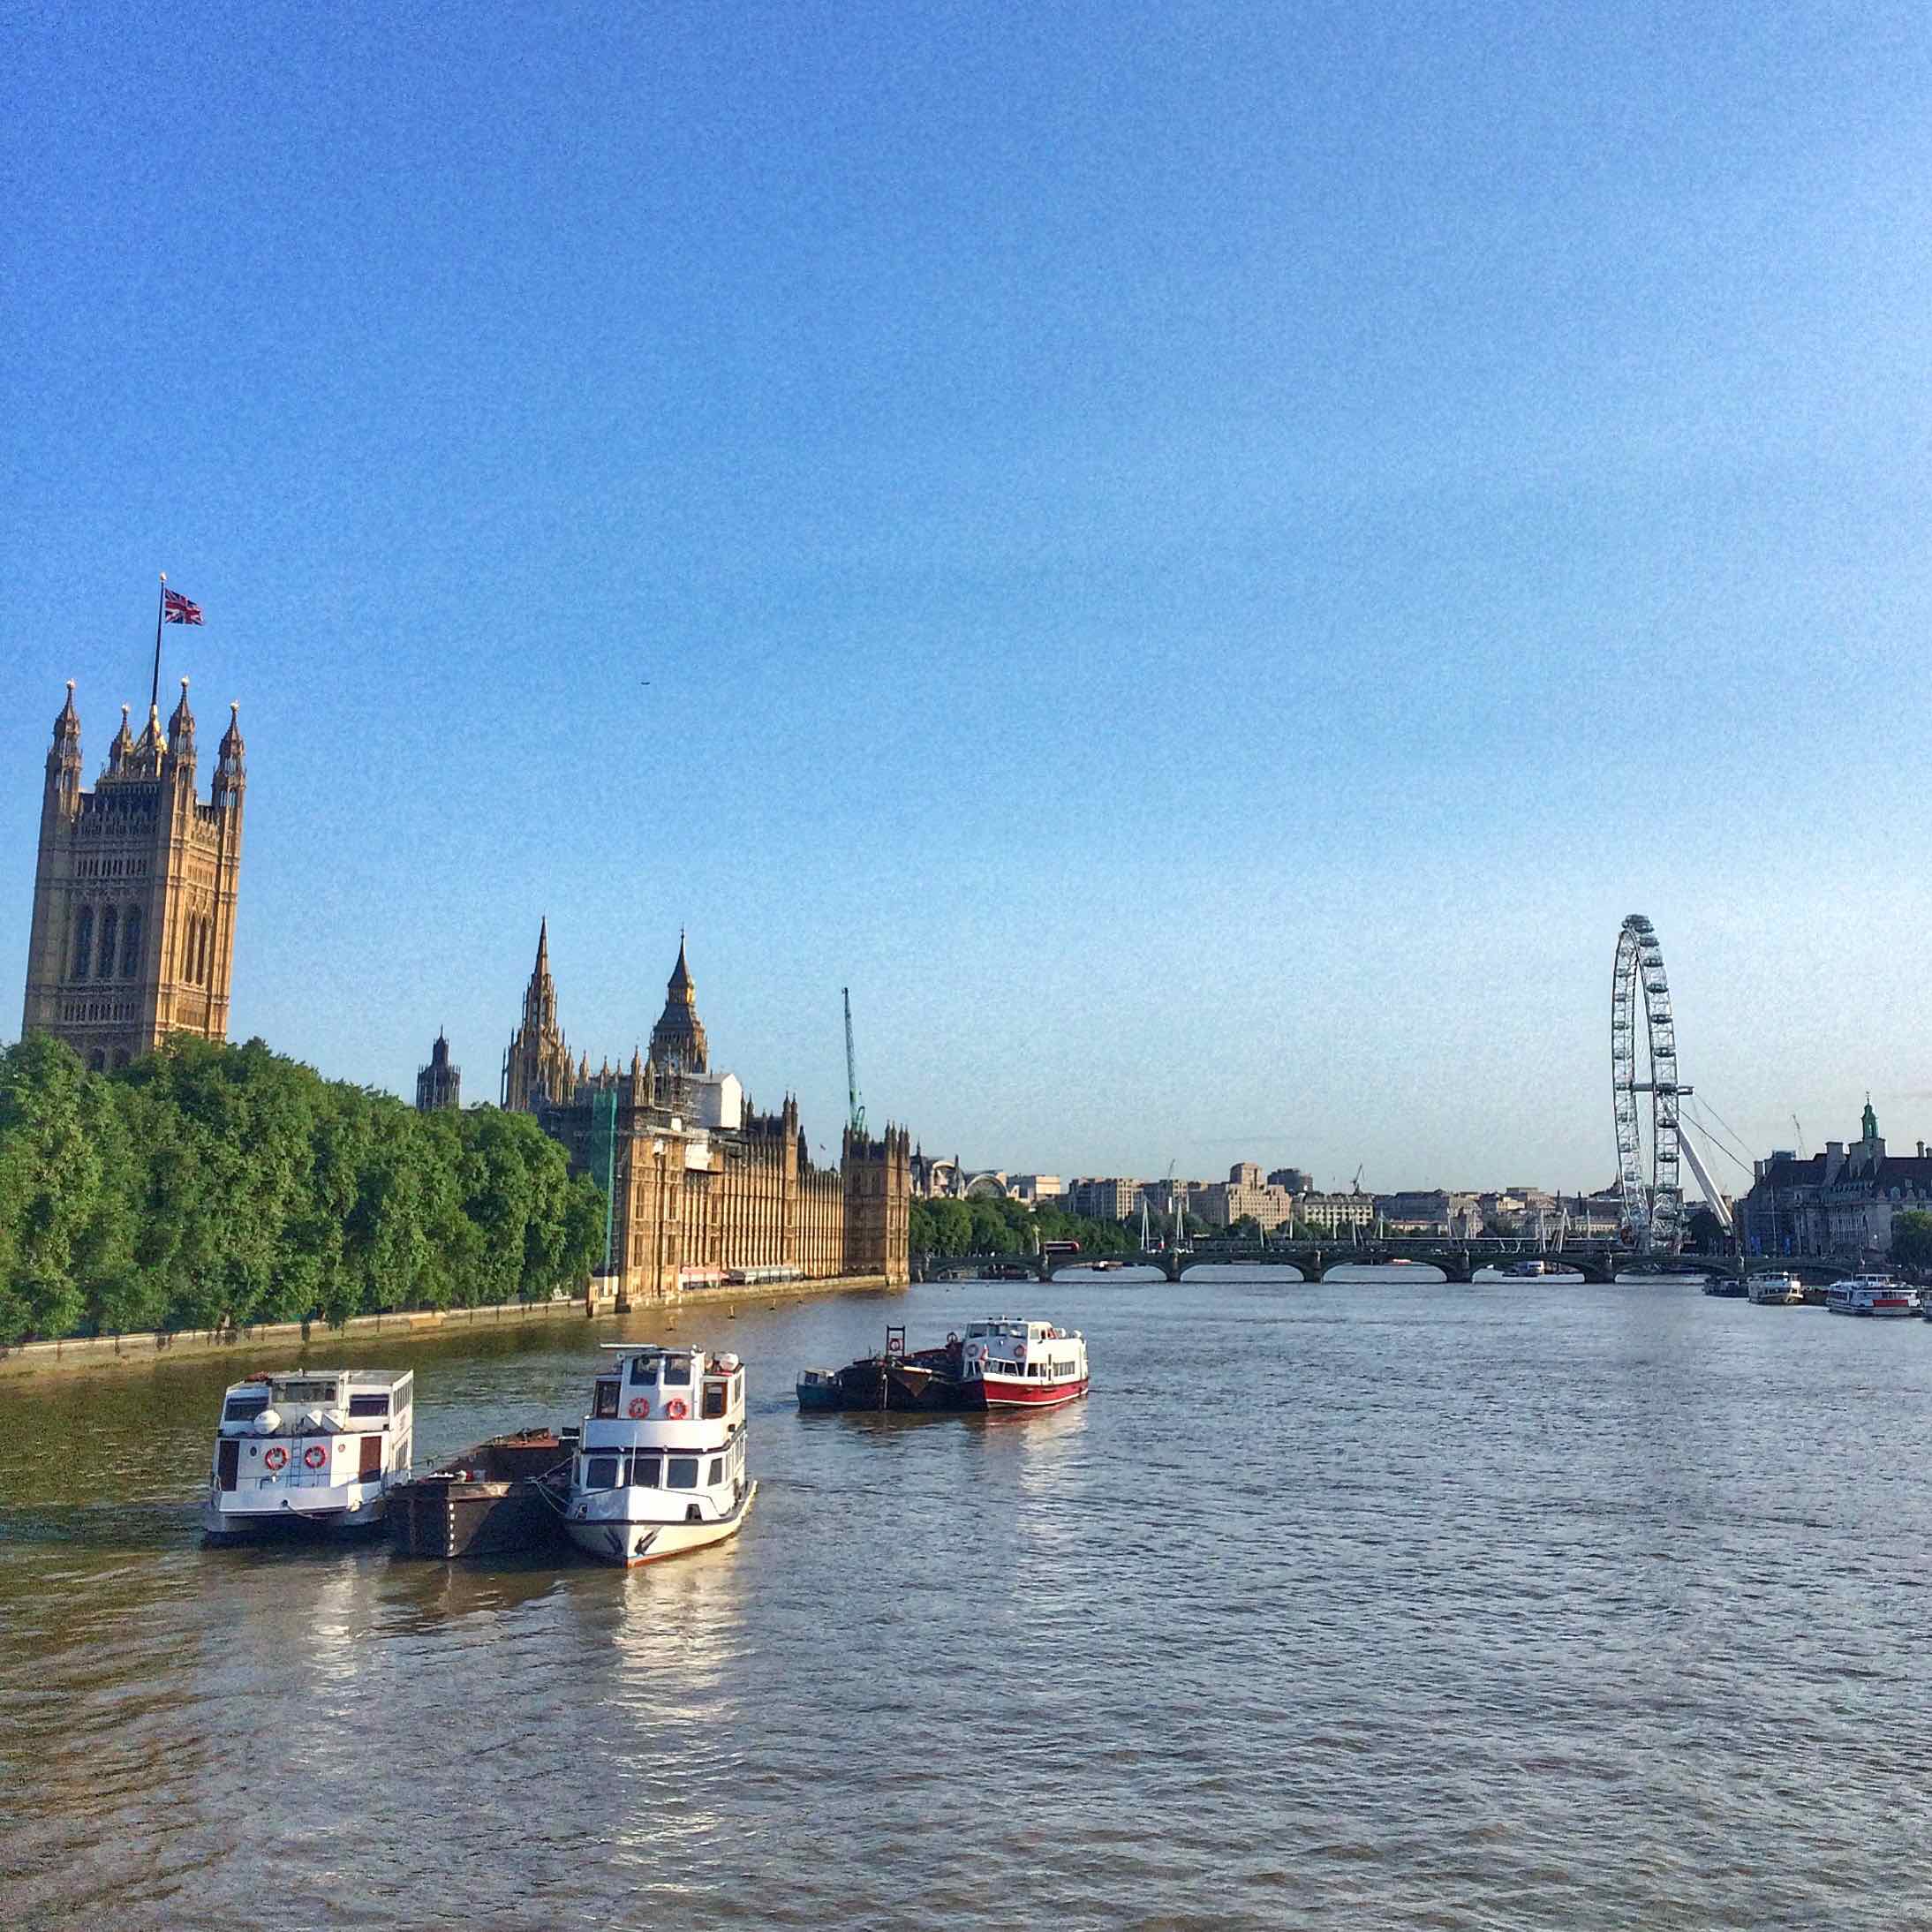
(1458, 1569)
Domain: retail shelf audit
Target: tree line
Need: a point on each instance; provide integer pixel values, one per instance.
(1000, 1227)
(206, 1186)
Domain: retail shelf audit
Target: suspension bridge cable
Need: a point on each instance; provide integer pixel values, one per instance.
(1742, 1162)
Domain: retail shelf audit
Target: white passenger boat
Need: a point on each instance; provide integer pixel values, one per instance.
(1010, 1362)
(1871, 1295)
(662, 1467)
(314, 1449)
(1775, 1288)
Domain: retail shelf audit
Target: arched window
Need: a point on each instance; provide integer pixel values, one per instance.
(110, 925)
(200, 952)
(97, 1061)
(131, 943)
(83, 942)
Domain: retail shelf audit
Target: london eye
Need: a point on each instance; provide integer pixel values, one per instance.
(1645, 1091)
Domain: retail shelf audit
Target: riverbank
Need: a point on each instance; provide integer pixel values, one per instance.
(145, 1350)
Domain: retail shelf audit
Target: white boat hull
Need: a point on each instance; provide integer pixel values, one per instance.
(335, 1512)
(634, 1541)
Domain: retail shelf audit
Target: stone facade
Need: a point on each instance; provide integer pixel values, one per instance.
(701, 1186)
(134, 889)
(1838, 1204)
(1112, 1197)
(1244, 1195)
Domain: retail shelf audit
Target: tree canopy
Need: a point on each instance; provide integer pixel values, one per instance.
(207, 1185)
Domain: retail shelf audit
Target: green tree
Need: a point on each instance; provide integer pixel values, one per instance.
(1912, 1240)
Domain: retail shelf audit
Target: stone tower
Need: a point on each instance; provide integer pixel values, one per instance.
(537, 1070)
(677, 1041)
(133, 927)
(439, 1084)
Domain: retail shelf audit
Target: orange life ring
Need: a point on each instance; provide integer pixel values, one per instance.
(276, 1458)
(639, 1409)
(675, 1410)
(315, 1455)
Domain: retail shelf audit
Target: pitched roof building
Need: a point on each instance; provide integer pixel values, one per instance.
(1840, 1203)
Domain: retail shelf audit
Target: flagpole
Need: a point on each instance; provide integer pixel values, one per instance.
(161, 605)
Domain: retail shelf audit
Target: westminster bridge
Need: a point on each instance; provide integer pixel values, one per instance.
(1458, 1260)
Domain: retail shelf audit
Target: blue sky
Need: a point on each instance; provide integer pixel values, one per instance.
(1200, 558)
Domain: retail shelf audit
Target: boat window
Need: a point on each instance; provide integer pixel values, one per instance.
(644, 1471)
(323, 1393)
(715, 1399)
(368, 1405)
(241, 1408)
(643, 1370)
(600, 1472)
(717, 1470)
(677, 1372)
(682, 1473)
(607, 1398)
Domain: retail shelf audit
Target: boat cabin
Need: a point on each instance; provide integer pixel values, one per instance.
(1005, 1346)
(311, 1442)
(665, 1419)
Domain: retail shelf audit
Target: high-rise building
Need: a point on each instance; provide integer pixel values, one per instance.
(134, 888)
(439, 1084)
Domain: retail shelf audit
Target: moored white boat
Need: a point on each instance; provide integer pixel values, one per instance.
(1010, 1362)
(1871, 1295)
(1775, 1288)
(662, 1468)
(315, 1449)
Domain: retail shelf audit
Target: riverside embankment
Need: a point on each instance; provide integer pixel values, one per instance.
(145, 1350)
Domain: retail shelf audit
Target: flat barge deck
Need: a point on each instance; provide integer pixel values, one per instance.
(499, 1497)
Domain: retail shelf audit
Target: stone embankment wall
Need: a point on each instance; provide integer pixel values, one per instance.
(144, 1351)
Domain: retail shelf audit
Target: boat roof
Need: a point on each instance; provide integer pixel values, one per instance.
(372, 1378)
(693, 1349)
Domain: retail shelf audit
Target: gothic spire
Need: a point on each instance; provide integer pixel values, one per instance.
(181, 731)
(677, 1040)
(63, 759)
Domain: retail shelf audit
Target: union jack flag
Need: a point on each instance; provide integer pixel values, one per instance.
(175, 609)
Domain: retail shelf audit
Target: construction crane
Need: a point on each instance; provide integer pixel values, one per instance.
(855, 1107)
(1800, 1132)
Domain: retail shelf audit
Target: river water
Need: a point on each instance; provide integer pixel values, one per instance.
(1373, 1604)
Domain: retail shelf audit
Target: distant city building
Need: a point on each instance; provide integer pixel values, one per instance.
(132, 936)
(439, 1084)
(1840, 1202)
(1296, 1179)
(1170, 1198)
(1335, 1213)
(1244, 1196)
(1109, 1199)
(1036, 1189)
(1429, 1210)
(937, 1179)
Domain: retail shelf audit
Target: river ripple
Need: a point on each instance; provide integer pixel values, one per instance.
(1386, 1604)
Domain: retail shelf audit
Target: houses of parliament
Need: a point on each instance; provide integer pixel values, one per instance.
(133, 939)
(703, 1189)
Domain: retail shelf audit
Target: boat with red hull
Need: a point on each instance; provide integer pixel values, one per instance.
(1013, 1363)
(1005, 1362)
